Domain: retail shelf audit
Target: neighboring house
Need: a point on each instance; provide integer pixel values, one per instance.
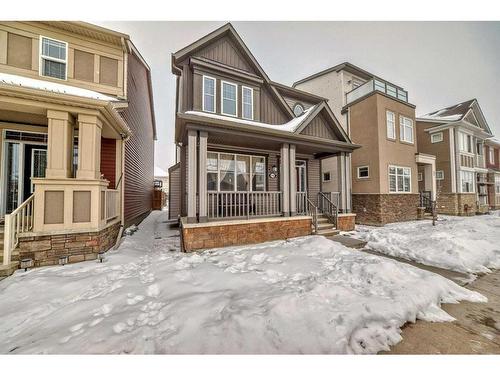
(249, 149)
(492, 154)
(77, 134)
(456, 135)
(376, 114)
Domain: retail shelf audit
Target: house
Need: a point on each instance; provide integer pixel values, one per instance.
(492, 154)
(456, 135)
(377, 115)
(77, 132)
(249, 150)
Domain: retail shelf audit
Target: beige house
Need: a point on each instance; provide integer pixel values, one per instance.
(456, 135)
(492, 155)
(378, 116)
(76, 122)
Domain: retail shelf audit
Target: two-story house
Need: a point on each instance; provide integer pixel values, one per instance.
(377, 115)
(492, 155)
(77, 134)
(456, 136)
(249, 150)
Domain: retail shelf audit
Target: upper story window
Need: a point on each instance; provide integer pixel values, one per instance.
(405, 129)
(437, 137)
(208, 94)
(229, 98)
(298, 109)
(391, 124)
(492, 155)
(53, 58)
(399, 179)
(364, 172)
(465, 142)
(247, 103)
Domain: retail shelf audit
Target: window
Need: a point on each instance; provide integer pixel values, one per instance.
(405, 129)
(235, 172)
(492, 155)
(247, 102)
(363, 172)
(327, 177)
(439, 175)
(391, 90)
(298, 109)
(229, 98)
(208, 94)
(53, 58)
(420, 176)
(479, 148)
(391, 124)
(399, 179)
(465, 142)
(437, 137)
(467, 179)
(497, 184)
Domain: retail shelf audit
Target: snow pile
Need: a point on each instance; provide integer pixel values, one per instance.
(306, 295)
(464, 244)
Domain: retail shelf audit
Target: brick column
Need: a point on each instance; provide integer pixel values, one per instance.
(60, 144)
(89, 147)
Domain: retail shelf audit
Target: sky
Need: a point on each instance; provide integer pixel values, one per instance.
(438, 63)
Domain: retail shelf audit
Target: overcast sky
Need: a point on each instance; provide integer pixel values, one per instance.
(439, 63)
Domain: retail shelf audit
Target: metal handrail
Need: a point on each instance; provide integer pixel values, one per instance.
(18, 221)
(312, 210)
(328, 208)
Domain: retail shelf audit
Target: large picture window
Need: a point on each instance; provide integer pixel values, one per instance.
(208, 94)
(467, 179)
(229, 98)
(53, 58)
(399, 179)
(235, 172)
(406, 129)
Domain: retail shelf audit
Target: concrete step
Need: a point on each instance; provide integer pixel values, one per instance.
(327, 225)
(328, 232)
(8, 270)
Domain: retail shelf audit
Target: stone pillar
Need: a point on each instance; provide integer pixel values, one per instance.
(60, 144)
(285, 179)
(202, 176)
(89, 147)
(191, 176)
(293, 182)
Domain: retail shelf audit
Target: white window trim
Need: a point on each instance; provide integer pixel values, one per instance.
(389, 179)
(465, 152)
(402, 133)
(473, 183)
(439, 134)
(393, 124)
(420, 176)
(324, 180)
(442, 175)
(491, 155)
(41, 57)
(222, 98)
(358, 169)
(203, 94)
(243, 104)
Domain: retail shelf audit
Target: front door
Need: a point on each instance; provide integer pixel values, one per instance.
(35, 163)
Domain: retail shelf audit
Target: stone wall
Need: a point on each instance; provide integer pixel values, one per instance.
(380, 209)
(454, 204)
(220, 234)
(46, 250)
(346, 222)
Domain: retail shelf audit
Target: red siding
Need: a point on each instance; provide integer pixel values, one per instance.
(108, 160)
(139, 149)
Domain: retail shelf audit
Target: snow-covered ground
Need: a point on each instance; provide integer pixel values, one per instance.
(464, 244)
(306, 295)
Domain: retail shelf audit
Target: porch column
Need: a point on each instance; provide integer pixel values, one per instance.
(348, 183)
(191, 176)
(342, 174)
(293, 182)
(60, 144)
(89, 147)
(285, 179)
(430, 179)
(202, 177)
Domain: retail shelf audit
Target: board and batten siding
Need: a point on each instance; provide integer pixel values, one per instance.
(270, 113)
(139, 148)
(319, 128)
(174, 191)
(313, 179)
(224, 51)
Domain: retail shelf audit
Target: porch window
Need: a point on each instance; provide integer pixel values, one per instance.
(53, 58)
(467, 179)
(247, 103)
(439, 175)
(399, 179)
(437, 137)
(229, 98)
(406, 129)
(258, 173)
(391, 124)
(208, 94)
(227, 177)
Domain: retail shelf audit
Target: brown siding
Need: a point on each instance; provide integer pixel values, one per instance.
(108, 160)
(319, 128)
(108, 71)
(225, 52)
(272, 183)
(139, 149)
(19, 51)
(84, 66)
(184, 168)
(313, 179)
(174, 191)
(270, 112)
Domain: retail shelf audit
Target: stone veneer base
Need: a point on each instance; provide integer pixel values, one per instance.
(45, 250)
(454, 204)
(380, 209)
(242, 232)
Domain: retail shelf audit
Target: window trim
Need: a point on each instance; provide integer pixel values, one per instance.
(222, 82)
(298, 104)
(365, 177)
(420, 177)
(491, 155)
(393, 124)
(402, 133)
(41, 57)
(473, 184)
(330, 176)
(440, 134)
(469, 136)
(389, 179)
(243, 104)
(442, 175)
(203, 94)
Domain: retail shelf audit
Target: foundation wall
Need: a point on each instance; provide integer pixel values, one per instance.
(455, 204)
(380, 209)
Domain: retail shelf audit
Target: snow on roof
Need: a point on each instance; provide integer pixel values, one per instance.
(453, 113)
(160, 172)
(15, 80)
(289, 126)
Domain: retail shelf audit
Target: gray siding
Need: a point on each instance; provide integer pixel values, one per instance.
(174, 191)
(225, 52)
(318, 127)
(270, 112)
(313, 179)
(272, 183)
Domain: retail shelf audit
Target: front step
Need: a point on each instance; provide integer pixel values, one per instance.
(325, 228)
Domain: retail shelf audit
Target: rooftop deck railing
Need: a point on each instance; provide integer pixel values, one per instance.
(376, 85)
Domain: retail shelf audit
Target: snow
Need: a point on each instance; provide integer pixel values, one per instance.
(463, 244)
(15, 80)
(290, 126)
(304, 295)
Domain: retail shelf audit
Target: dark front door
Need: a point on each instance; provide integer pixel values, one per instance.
(35, 162)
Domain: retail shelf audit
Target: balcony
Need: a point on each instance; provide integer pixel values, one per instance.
(377, 85)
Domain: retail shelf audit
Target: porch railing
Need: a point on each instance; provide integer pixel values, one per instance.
(244, 204)
(301, 199)
(18, 221)
(328, 207)
(112, 203)
(312, 210)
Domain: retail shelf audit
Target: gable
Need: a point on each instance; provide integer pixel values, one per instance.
(471, 118)
(270, 111)
(224, 51)
(319, 127)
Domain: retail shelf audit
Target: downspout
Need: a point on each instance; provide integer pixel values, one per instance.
(122, 193)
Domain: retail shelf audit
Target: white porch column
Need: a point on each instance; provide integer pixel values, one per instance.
(342, 174)
(191, 176)
(89, 147)
(285, 179)
(348, 183)
(60, 144)
(293, 182)
(202, 176)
